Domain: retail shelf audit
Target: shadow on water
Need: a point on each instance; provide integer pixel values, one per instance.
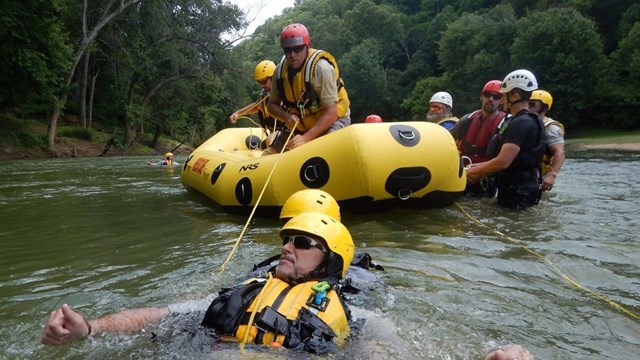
(111, 233)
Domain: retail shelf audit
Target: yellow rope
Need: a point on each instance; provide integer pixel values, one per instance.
(243, 117)
(255, 310)
(553, 267)
(246, 225)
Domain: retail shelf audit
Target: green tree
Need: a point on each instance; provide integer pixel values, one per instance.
(365, 80)
(33, 54)
(88, 36)
(563, 49)
(155, 49)
(472, 50)
(625, 91)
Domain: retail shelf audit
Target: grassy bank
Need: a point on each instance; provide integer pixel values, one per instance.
(603, 137)
(27, 139)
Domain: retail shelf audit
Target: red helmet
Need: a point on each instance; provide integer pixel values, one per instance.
(294, 35)
(492, 86)
(373, 119)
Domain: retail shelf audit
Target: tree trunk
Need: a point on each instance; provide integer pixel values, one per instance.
(193, 131)
(130, 128)
(156, 136)
(91, 93)
(83, 90)
(110, 142)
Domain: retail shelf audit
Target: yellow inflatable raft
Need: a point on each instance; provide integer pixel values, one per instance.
(366, 167)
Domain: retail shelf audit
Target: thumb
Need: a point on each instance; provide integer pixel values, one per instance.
(75, 323)
(496, 355)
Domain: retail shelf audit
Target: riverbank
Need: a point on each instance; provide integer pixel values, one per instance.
(620, 147)
(71, 147)
(26, 140)
(603, 139)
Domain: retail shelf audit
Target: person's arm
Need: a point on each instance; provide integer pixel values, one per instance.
(277, 111)
(508, 153)
(247, 110)
(328, 117)
(549, 179)
(66, 325)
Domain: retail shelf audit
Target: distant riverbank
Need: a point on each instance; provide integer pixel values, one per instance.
(598, 139)
(26, 139)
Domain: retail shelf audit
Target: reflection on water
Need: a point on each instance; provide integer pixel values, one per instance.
(111, 233)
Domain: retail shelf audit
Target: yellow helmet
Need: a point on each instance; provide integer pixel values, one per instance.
(332, 232)
(310, 200)
(542, 96)
(263, 70)
(168, 155)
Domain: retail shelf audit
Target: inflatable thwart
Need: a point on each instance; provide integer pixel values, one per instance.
(366, 167)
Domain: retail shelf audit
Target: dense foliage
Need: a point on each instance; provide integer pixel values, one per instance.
(178, 67)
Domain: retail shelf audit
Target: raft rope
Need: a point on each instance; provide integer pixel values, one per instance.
(255, 310)
(243, 117)
(567, 278)
(253, 211)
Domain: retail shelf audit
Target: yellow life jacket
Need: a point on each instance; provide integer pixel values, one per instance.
(298, 95)
(547, 158)
(289, 302)
(266, 120)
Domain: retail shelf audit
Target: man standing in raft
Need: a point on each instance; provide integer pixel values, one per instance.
(308, 84)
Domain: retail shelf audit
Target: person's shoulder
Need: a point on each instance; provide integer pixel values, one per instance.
(323, 66)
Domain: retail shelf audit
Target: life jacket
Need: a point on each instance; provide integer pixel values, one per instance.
(527, 160)
(547, 158)
(476, 138)
(298, 95)
(495, 143)
(448, 122)
(285, 313)
(266, 120)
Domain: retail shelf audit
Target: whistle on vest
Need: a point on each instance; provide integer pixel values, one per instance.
(319, 300)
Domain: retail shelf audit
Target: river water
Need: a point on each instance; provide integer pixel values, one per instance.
(105, 234)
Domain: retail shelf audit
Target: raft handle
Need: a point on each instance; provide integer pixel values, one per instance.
(407, 135)
(466, 162)
(406, 191)
(315, 173)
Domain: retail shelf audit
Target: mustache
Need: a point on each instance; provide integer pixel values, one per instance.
(287, 257)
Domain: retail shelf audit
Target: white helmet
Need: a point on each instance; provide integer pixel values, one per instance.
(442, 97)
(521, 79)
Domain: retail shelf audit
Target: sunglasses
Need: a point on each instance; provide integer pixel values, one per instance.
(492, 96)
(295, 49)
(263, 82)
(302, 242)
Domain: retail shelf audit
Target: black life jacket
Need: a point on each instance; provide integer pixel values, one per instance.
(528, 159)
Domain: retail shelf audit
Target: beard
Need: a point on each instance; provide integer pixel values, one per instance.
(282, 272)
(489, 108)
(434, 117)
(283, 275)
